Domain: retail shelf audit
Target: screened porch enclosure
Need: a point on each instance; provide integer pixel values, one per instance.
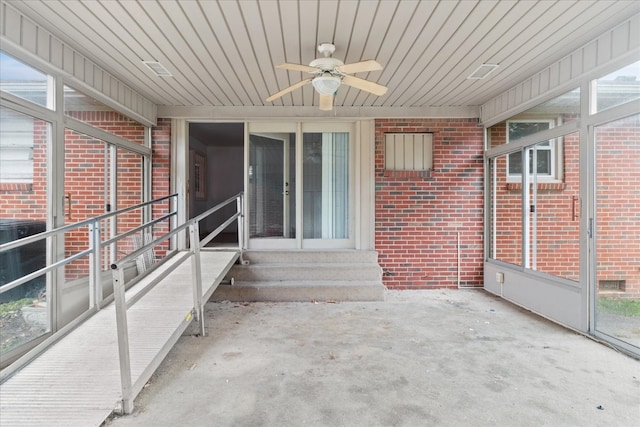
(563, 211)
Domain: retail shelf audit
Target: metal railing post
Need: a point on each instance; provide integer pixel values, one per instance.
(194, 231)
(95, 284)
(123, 339)
(240, 222)
(241, 230)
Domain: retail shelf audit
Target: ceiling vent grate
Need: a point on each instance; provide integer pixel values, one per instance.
(158, 68)
(482, 71)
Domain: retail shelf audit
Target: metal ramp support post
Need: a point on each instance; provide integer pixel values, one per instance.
(95, 284)
(123, 339)
(241, 237)
(196, 267)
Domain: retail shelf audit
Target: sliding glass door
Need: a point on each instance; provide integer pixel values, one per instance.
(299, 178)
(326, 185)
(272, 186)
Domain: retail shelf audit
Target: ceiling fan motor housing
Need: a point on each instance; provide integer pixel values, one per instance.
(326, 64)
(326, 49)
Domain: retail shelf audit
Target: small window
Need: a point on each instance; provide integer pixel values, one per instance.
(617, 88)
(16, 147)
(546, 152)
(408, 151)
(26, 82)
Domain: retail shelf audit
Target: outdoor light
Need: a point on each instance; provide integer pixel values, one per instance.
(326, 84)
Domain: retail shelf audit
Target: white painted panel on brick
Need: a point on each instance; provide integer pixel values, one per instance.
(408, 151)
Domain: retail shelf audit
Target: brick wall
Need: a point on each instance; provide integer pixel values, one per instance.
(87, 192)
(161, 175)
(419, 218)
(85, 181)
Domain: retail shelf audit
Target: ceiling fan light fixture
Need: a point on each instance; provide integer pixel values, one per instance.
(326, 84)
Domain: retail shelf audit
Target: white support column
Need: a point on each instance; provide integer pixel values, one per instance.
(180, 174)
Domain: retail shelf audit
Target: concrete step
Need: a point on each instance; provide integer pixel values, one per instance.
(321, 275)
(306, 271)
(307, 290)
(310, 256)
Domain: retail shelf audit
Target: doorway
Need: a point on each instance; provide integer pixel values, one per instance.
(216, 164)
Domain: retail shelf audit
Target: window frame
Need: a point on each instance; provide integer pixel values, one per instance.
(17, 144)
(555, 149)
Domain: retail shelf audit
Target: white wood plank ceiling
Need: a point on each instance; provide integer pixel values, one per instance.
(223, 53)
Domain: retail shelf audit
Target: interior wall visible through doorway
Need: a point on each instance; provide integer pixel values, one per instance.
(216, 153)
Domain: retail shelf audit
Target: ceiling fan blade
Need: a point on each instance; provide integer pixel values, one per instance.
(287, 90)
(365, 85)
(359, 67)
(326, 102)
(297, 67)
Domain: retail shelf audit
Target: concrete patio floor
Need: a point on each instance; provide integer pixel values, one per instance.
(421, 358)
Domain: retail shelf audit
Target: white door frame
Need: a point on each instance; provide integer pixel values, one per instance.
(299, 128)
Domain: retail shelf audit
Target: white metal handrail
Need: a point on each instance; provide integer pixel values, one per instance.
(93, 251)
(63, 229)
(93, 225)
(119, 283)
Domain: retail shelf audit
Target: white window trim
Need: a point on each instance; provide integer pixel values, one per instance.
(555, 147)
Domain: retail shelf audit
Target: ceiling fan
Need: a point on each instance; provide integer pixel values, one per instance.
(329, 73)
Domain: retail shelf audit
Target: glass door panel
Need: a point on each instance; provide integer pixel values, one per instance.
(554, 214)
(25, 310)
(128, 192)
(87, 194)
(326, 185)
(272, 186)
(506, 215)
(617, 306)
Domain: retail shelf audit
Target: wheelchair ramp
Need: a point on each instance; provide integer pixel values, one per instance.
(76, 382)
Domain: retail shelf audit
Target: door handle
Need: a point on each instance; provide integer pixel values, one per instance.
(69, 205)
